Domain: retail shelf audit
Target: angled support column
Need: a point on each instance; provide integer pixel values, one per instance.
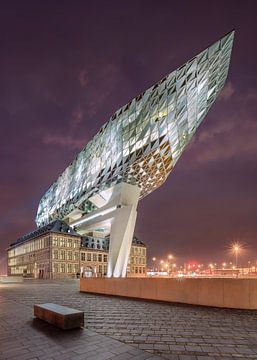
(122, 230)
(116, 212)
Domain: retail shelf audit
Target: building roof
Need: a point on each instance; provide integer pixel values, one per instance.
(59, 226)
(103, 243)
(136, 241)
(56, 226)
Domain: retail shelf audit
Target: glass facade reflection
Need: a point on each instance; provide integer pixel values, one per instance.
(143, 140)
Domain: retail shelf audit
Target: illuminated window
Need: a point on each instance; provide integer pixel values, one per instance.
(105, 270)
(62, 242)
(56, 268)
(62, 268)
(69, 268)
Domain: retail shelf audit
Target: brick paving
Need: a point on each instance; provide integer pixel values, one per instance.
(120, 329)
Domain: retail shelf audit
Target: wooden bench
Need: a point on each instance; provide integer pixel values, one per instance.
(61, 316)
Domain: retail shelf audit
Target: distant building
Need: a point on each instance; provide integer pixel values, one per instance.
(94, 256)
(56, 251)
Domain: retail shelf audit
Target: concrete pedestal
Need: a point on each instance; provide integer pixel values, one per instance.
(224, 293)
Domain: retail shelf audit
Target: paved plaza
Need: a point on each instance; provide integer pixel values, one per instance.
(117, 328)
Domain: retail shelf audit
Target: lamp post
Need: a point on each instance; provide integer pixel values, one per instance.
(154, 260)
(170, 257)
(236, 249)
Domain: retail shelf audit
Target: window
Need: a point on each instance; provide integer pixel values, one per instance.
(76, 266)
(69, 243)
(69, 255)
(55, 242)
(105, 270)
(140, 270)
(83, 256)
(56, 268)
(94, 257)
(99, 257)
(136, 271)
(62, 242)
(143, 270)
(63, 268)
(76, 256)
(105, 258)
(55, 254)
(69, 268)
(100, 269)
(62, 254)
(89, 257)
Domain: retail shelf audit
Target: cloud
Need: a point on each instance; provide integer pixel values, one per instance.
(76, 116)
(61, 140)
(100, 84)
(83, 78)
(231, 134)
(227, 91)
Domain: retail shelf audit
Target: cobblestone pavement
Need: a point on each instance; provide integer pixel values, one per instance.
(117, 328)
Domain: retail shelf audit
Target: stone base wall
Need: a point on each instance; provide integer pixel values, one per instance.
(225, 293)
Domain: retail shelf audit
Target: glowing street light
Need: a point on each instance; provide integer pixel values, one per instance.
(154, 260)
(170, 257)
(236, 249)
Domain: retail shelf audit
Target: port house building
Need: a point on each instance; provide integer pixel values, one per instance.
(56, 251)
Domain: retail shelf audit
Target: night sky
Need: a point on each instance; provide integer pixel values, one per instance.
(67, 66)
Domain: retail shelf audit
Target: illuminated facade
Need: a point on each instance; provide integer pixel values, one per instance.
(94, 258)
(135, 151)
(56, 251)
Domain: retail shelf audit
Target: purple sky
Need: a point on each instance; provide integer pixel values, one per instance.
(66, 66)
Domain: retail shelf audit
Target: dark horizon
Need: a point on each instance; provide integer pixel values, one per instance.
(66, 68)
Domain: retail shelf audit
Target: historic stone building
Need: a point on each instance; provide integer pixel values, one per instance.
(94, 256)
(56, 251)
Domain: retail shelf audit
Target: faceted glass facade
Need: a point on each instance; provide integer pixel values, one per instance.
(143, 140)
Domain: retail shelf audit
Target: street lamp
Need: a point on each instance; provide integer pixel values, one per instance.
(154, 260)
(236, 250)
